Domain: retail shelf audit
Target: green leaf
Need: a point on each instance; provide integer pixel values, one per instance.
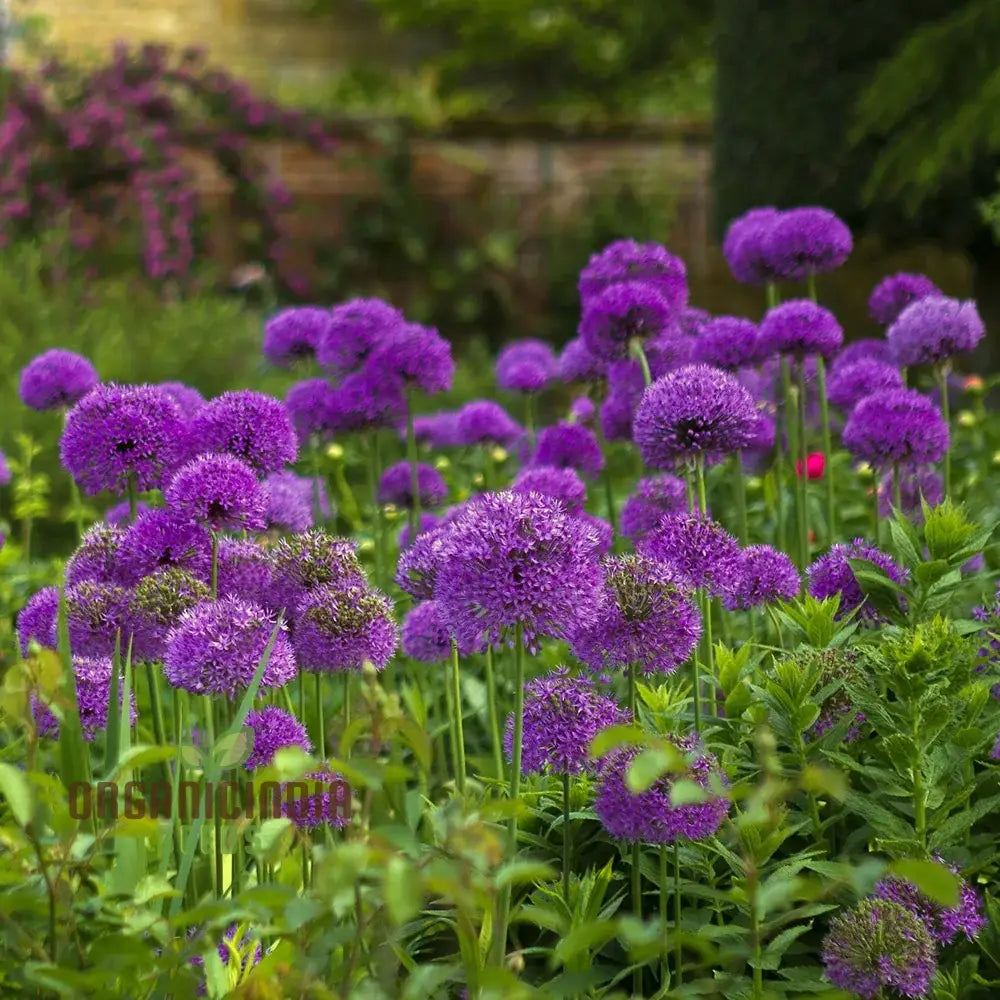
(650, 765)
(17, 792)
(934, 880)
(523, 873)
(614, 737)
(232, 749)
(401, 890)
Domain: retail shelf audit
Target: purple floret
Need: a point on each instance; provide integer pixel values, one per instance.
(93, 682)
(578, 364)
(95, 613)
(934, 329)
(291, 500)
(646, 263)
(745, 246)
(355, 328)
(582, 410)
(219, 491)
(562, 483)
(156, 606)
(806, 241)
(189, 400)
(246, 571)
(623, 313)
(56, 380)
(37, 620)
(727, 342)
(364, 403)
(161, 538)
(416, 572)
(310, 405)
(652, 497)
(603, 533)
(273, 728)
(832, 574)
(692, 321)
(526, 366)
(701, 553)
(120, 515)
(293, 334)
(569, 446)
(848, 384)
(312, 559)
(425, 635)
(324, 800)
(625, 388)
(765, 576)
(396, 486)
(895, 292)
(484, 422)
(97, 555)
(437, 430)
(411, 356)
(896, 425)
(799, 327)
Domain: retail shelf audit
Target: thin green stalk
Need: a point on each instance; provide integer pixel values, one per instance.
(637, 351)
(459, 732)
(567, 843)
(529, 417)
(633, 705)
(302, 697)
(314, 462)
(636, 911)
(803, 478)
(320, 722)
(411, 457)
(374, 472)
(740, 489)
(897, 495)
(131, 497)
(491, 700)
(347, 705)
(664, 920)
(706, 611)
(609, 493)
(678, 949)
(876, 520)
(217, 839)
(919, 793)
(755, 939)
(811, 286)
(449, 698)
(215, 566)
(77, 502)
(813, 802)
(824, 412)
(941, 376)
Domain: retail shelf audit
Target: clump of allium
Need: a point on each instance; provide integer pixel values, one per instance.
(56, 379)
(765, 575)
(246, 570)
(249, 425)
(324, 800)
(310, 406)
(425, 635)
(273, 728)
(692, 321)
(727, 342)
(363, 403)
(934, 329)
(895, 292)
(693, 412)
(413, 357)
(96, 612)
(806, 241)
(562, 715)
(652, 497)
(649, 817)
(416, 571)
(428, 521)
(745, 246)
(219, 491)
(865, 347)
(437, 430)
(879, 946)
(622, 314)
(396, 486)
(582, 410)
(119, 437)
(340, 628)
(526, 366)
(644, 619)
(158, 601)
(701, 553)
(569, 446)
(188, 399)
(627, 260)
(313, 559)
(216, 646)
(850, 383)
(799, 327)
(97, 556)
(93, 681)
(832, 574)
(292, 335)
(517, 559)
(120, 514)
(914, 483)
(355, 328)
(578, 364)
(484, 422)
(562, 483)
(161, 538)
(37, 620)
(896, 426)
(291, 501)
(669, 351)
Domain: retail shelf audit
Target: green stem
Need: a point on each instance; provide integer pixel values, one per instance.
(347, 705)
(314, 461)
(664, 920)
(609, 494)
(131, 496)
(529, 417)
(755, 939)
(706, 611)
(77, 501)
(320, 722)
(824, 412)
(802, 479)
(740, 489)
(491, 699)
(941, 376)
(377, 536)
(897, 493)
(919, 794)
(215, 566)
(567, 843)
(633, 705)
(876, 519)
(636, 911)
(637, 352)
(813, 802)
(217, 840)
(459, 733)
(678, 950)
(411, 457)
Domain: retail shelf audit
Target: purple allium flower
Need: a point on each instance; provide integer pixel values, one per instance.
(517, 559)
(896, 425)
(355, 328)
(669, 351)
(56, 379)
(640, 263)
(582, 410)
(832, 574)
(310, 405)
(95, 613)
(122, 435)
(246, 571)
(416, 572)
(914, 483)
(577, 364)
(799, 327)
(273, 728)
(93, 681)
(692, 321)
(428, 522)
(569, 446)
(249, 425)
(361, 403)
(157, 603)
(97, 556)
(850, 383)
(702, 554)
(603, 532)
(622, 313)
(294, 334)
(437, 430)
(161, 538)
(216, 647)
(425, 635)
(5, 474)
(292, 501)
(189, 401)
(325, 800)
(895, 292)
(805, 241)
(563, 484)
(694, 411)
(487, 423)
(652, 497)
(313, 559)
(745, 246)
(562, 715)
(219, 491)
(644, 619)
(650, 817)
(727, 342)
(120, 515)
(396, 486)
(933, 329)
(413, 357)
(340, 628)
(878, 946)
(38, 619)
(866, 347)
(625, 388)
(766, 575)
(526, 366)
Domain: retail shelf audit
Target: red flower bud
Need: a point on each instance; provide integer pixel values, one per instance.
(815, 465)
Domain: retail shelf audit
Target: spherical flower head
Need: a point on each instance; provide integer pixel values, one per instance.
(727, 342)
(652, 497)
(765, 576)
(526, 366)
(627, 260)
(578, 364)
(325, 801)
(122, 436)
(484, 422)
(582, 410)
(745, 246)
(866, 347)
(219, 491)
(806, 241)
(425, 635)
(157, 603)
(96, 613)
(701, 553)
(695, 411)
(97, 556)
(161, 538)
(896, 425)
(561, 483)
(668, 351)
(414, 356)
(292, 335)
(517, 559)
(189, 400)
(290, 502)
(832, 574)
(341, 629)
(248, 425)
(914, 483)
(850, 383)
(246, 571)
(436, 430)
(37, 620)
(310, 405)
(622, 313)
(93, 681)
(428, 522)
(396, 486)
(569, 446)
(895, 292)
(625, 388)
(562, 715)
(876, 947)
(934, 329)
(354, 329)
(216, 647)
(56, 379)
(416, 572)
(799, 327)
(120, 515)
(273, 729)
(310, 560)
(649, 817)
(363, 402)
(692, 321)
(644, 619)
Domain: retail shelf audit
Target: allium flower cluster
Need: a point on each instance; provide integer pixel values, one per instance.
(96, 558)
(806, 241)
(293, 334)
(625, 388)
(273, 729)
(850, 383)
(411, 356)
(799, 327)
(582, 410)
(354, 330)
(745, 246)
(569, 446)
(396, 486)
(93, 681)
(629, 261)
(765, 575)
(649, 501)
(832, 574)
(438, 430)
(249, 425)
(219, 491)
(865, 347)
(620, 314)
(161, 538)
(310, 560)
(362, 402)
(326, 802)
(246, 570)
(36, 621)
(484, 422)
(700, 552)
(578, 364)
(428, 521)
(156, 605)
(727, 342)
(311, 408)
(425, 635)
(188, 399)
(119, 515)
(56, 379)
(895, 292)
(933, 329)
(526, 366)
(96, 613)
(562, 484)
(291, 501)
(416, 571)
(896, 426)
